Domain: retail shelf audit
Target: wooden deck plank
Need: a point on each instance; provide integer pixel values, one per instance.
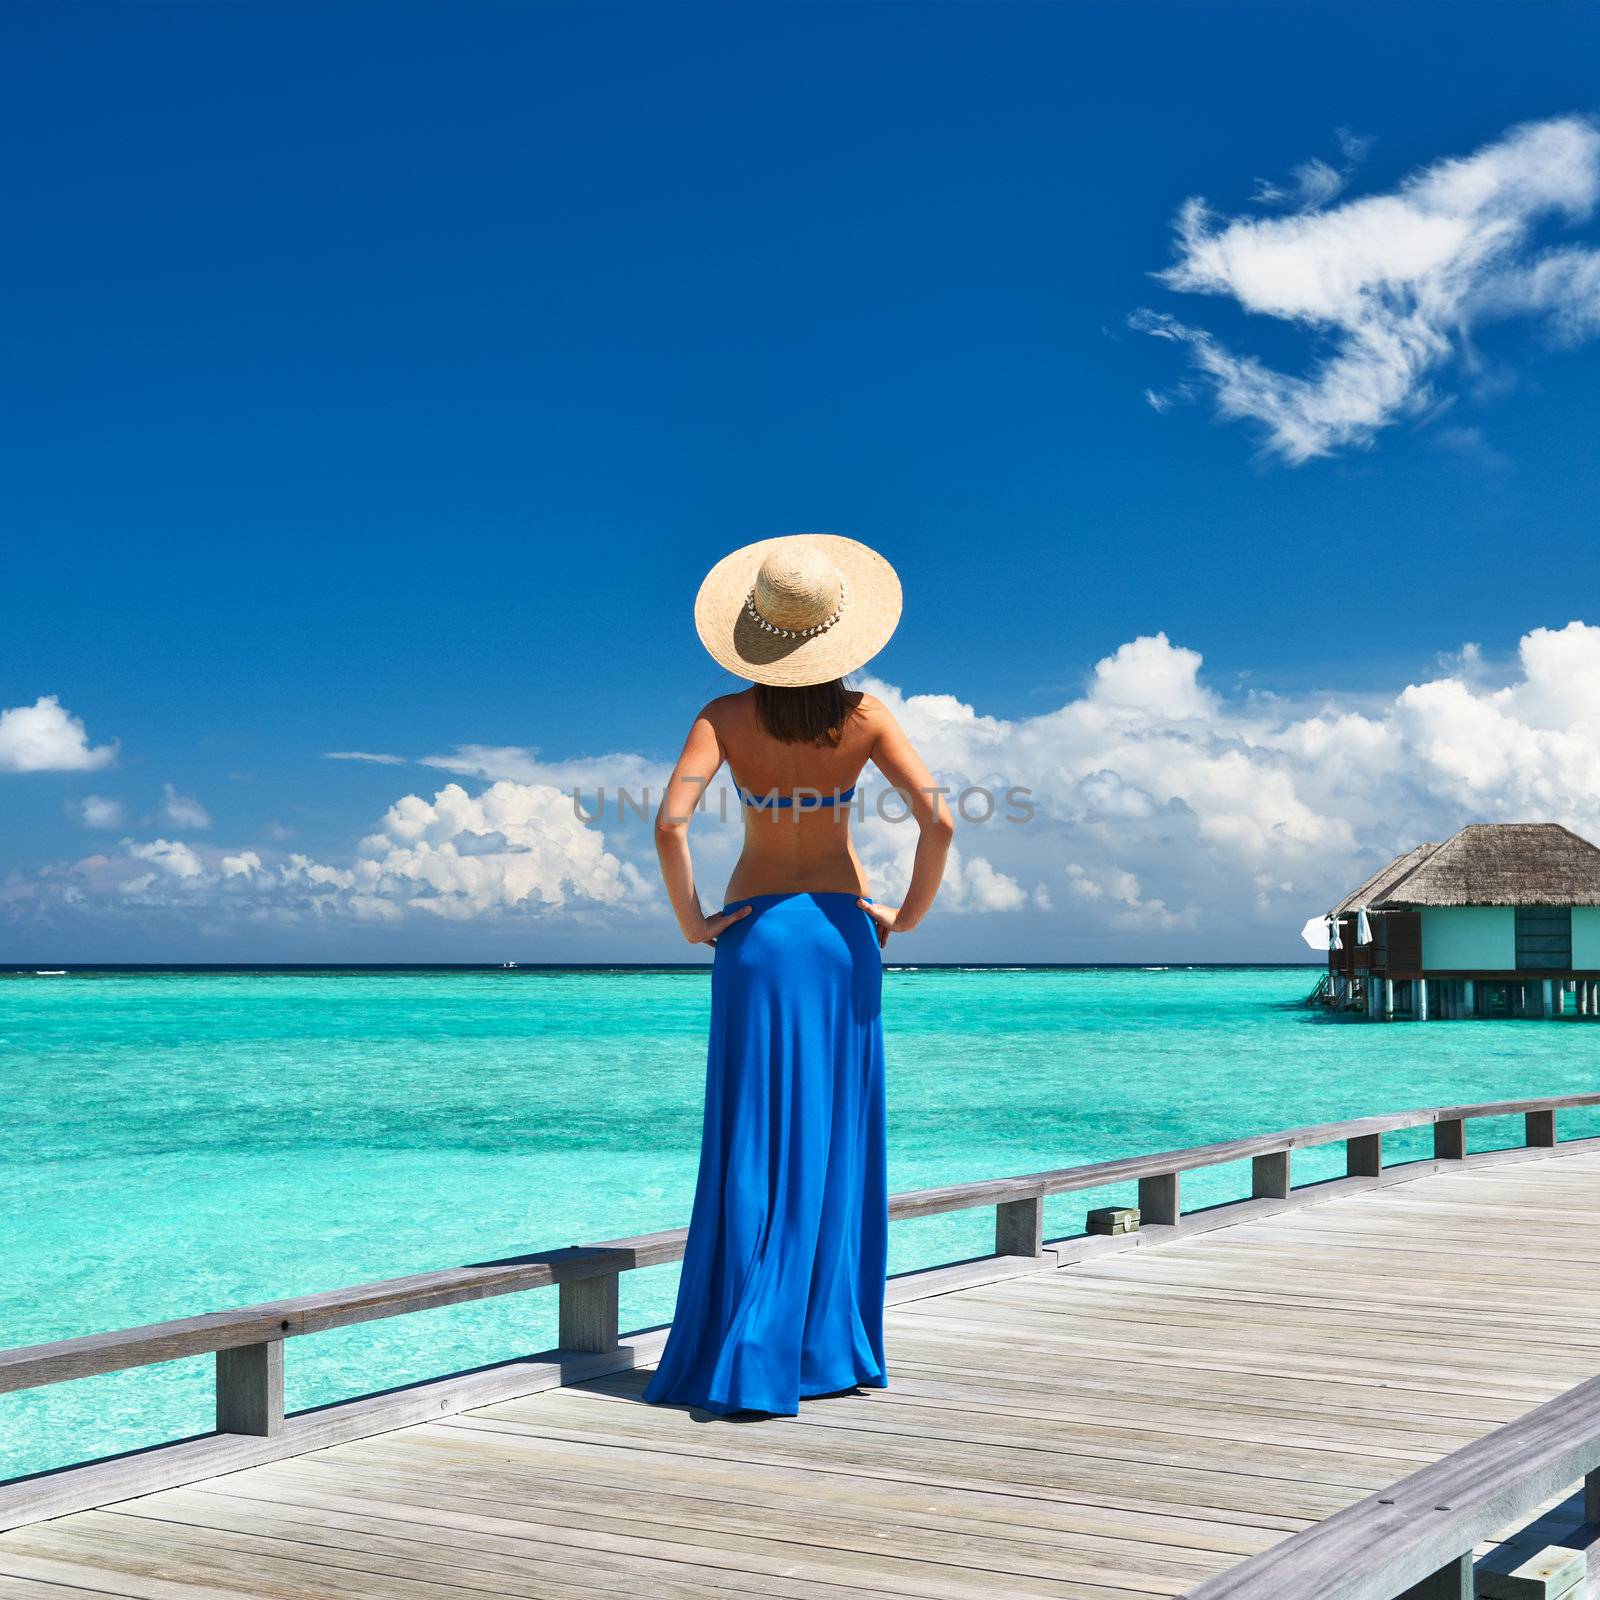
(33, 1589)
(502, 1497)
(1121, 1428)
(873, 1555)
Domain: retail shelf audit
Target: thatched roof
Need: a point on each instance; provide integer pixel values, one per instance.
(1383, 880)
(1491, 864)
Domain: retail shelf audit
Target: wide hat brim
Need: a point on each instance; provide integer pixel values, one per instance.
(739, 643)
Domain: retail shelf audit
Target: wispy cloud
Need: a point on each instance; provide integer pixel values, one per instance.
(1315, 182)
(1470, 443)
(182, 810)
(1391, 286)
(98, 811)
(364, 755)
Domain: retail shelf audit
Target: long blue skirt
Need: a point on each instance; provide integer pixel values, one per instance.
(782, 1288)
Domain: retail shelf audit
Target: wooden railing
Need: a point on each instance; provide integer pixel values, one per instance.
(248, 1342)
(1414, 1540)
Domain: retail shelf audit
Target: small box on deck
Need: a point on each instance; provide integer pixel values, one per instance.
(1114, 1219)
(1522, 1570)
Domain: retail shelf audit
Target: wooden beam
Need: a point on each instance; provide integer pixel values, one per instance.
(1269, 1176)
(587, 1314)
(250, 1389)
(1449, 1139)
(1019, 1227)
(1540, 1128)
(1158, 1200)
(1453, 1581)
(1413, 1533)
(33, 1365)
(1363, 1156)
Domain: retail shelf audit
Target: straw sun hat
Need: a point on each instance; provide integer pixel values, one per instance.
(805, 608)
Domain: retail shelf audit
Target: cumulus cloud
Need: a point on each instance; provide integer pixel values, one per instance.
(1390, 287)
(182, 810)
(1164, 806)
(512, 850)
(46, 737)
(172, 856)
(98, 811)
(1148, 814)
(513, 846)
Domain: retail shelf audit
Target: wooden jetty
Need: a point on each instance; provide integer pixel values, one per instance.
(1344, 1390)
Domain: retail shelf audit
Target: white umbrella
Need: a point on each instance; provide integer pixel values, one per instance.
(1315, 932)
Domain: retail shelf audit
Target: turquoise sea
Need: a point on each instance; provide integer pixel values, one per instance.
(183, 1142)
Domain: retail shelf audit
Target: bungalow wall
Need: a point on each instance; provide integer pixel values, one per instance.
(1475, 938)
(1586, 938)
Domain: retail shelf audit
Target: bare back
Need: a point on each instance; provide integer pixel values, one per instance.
(795, 847)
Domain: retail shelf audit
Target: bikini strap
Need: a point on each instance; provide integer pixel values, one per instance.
(803, 802)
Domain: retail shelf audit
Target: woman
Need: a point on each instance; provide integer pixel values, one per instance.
(782, 1289)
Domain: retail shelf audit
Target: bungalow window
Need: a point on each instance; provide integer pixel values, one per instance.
(1544, 938)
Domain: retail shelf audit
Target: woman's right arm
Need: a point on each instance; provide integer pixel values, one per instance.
(702, 756)
(895, 757)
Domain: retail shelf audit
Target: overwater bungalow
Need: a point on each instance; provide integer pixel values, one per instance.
(1501, 920)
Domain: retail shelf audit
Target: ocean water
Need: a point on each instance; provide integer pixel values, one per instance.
(176, 1143)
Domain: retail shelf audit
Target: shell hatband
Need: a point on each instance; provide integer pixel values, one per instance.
(792, 633)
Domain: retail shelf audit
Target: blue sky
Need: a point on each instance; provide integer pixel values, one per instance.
(388, 388)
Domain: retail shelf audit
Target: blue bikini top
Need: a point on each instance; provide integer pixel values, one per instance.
(799, 802)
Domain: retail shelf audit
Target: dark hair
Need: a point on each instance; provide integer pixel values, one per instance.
(814, 713)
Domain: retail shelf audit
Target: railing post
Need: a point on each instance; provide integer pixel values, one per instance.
(1591, 1497)
(1019, 1227)
(1450, 1139)
(1540, 1128)
(1453, 1581)
(250, 1389)
(1269, 1176)
(1363, 1156)
(1158, 1200)
(587, 1313)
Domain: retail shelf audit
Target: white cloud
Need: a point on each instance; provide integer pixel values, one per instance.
(364, 755)
(171, 855)
(46, 737)
(182, 810)
(1315, 182)
(1168, 819)
(97, 811)
(1165, 806)
(516, 845)
(615, 772)
(513, 850)
(1391, 286)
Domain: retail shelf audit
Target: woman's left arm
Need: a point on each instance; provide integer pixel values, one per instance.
(697, 766)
